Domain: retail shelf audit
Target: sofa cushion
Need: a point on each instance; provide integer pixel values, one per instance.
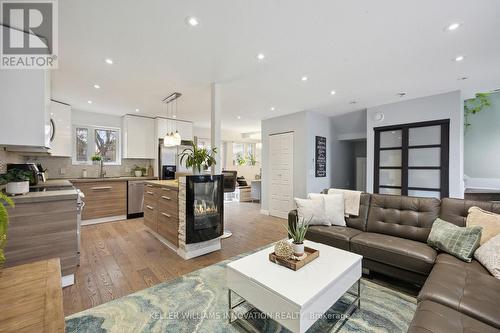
(474, 265)
(400, 216)
(358, 222)
(468, 291)
(398, 252)
(456, 210)
(489, 255)
(335, 236)
(490, 222)
(432, 317)
(458, 241)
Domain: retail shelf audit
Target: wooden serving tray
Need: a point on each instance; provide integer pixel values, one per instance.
(295, 264)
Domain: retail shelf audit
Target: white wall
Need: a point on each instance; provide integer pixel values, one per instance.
(306, 126)
(95, 119)
(443, 106)
(482, 147)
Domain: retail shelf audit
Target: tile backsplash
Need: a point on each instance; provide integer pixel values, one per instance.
(62, 167)
(8, 157)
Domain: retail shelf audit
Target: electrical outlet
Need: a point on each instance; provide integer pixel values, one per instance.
(62, 171)
(127, 170)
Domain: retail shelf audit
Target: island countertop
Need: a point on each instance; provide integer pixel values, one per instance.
(109, 179)
(168, 183)
(31, 197)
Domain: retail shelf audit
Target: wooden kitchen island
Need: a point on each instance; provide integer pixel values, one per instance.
(171, 213)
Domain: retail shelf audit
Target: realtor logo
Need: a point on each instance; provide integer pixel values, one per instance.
(29, 34)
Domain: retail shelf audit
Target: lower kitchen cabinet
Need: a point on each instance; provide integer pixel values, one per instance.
(103, 199)
(161, 212)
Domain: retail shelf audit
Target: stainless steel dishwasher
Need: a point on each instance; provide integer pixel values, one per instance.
(135, 206)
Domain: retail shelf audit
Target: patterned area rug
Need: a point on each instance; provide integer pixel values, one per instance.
(198, 302)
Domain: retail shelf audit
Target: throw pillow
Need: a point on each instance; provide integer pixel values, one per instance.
(460, 242)
(488, 220)
(334, 207)
(489, 256)
(312, 211)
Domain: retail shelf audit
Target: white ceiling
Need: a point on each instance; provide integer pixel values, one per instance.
(365, 50)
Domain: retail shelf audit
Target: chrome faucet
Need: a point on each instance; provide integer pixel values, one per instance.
(102, 172)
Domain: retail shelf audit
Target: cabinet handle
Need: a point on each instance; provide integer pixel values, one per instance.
(149, 207)
(101, 188)
(149, 185)
(167, 215)
(150, 193)
(166, 198)
(165, 189)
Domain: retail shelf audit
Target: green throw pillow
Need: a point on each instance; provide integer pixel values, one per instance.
(460, 242)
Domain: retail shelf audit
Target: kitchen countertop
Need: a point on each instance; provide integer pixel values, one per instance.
(33, 197)
(167, 183)
(109, 179)
(53, 183)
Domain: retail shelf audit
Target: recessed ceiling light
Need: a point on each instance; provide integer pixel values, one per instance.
(261, 56)
(97, 86)
(273, 108)
(459, 58)
(109, 61)
(137, 110)
(239, 117)
(333, 92)
(90, 102)
(453, 26)
(304, 78)
(192, 21)
(175, 116)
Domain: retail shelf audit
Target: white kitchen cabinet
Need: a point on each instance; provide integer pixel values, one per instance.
(139, 137)
(184, 128)
(60, 115)
(24, 102)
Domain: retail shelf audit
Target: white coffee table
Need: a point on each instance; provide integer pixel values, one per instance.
(295, 299)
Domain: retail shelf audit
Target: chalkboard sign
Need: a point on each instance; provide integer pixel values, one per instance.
(320, 156)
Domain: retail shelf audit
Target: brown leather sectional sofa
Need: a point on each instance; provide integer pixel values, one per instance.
(391, 233)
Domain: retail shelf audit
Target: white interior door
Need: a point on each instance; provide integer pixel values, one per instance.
(281, 174)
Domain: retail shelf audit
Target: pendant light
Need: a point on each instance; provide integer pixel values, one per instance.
(176, 137)
(168, 138)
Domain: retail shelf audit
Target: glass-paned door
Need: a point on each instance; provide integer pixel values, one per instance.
(412, 159)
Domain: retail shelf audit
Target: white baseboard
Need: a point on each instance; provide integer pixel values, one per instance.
(264, 211)
(199, 249)
(68, 280)
(104, 220)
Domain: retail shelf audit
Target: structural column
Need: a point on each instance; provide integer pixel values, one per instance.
(216, 126)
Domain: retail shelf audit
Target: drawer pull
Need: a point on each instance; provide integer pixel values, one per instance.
(165, 189)
(166, 198)
(99, 188)
(167, 215)
(149, 185)
(149, 192)
(149, 207)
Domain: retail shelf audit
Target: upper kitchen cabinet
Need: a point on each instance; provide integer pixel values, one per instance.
(184, 128)
(139, 137)
(24, 105)
(60, 115)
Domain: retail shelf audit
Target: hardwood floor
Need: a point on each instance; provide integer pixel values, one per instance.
(122, 257)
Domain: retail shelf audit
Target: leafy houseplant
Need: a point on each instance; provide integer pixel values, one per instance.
(96, 158)
(297, 232)
(475, 105)
(195, 157)
(139, 171)
(251, 160)
(18, 181)
(4, 223)
(240, 160)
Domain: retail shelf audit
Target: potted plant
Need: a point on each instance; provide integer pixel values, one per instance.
(298, 232)
(138, 171)
(4, 223)
(251, 160)
(96, 158)
(18, 181)
(197, 157)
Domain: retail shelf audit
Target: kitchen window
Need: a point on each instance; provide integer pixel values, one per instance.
(244, 153)
(96, 140)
